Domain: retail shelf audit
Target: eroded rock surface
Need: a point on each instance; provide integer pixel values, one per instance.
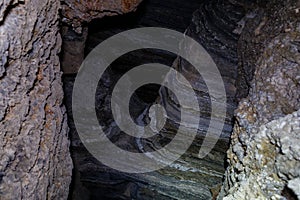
(78, 12)
(264, 154)
(34, 149)
(265, 162)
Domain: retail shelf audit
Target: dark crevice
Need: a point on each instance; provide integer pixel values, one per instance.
(8, 9)
(289, 194)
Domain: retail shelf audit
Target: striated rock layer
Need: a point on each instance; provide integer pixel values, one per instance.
(264, 154)
(216, 26)
(34, 149)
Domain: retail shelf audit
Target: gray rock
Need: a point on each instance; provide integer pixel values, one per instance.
(264, 155)
(34, 149)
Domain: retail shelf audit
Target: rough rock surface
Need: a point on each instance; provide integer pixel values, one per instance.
(264, 155)
(34, 149)
(78, 12)
(260, 19)
(265, 162)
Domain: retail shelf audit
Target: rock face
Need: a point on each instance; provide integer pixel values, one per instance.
(75, 12)
(34, 149)
(73, 47)
(264, 155)
(268, 168)
(75, 16)
(216, 26)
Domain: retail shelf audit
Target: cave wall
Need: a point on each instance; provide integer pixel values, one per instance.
(264, 159)
(76, 15)
(264, 153)
(34, 149)
(215, 25)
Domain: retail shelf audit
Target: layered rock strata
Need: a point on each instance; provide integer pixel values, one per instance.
(216, 26)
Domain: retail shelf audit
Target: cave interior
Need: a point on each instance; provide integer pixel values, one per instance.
(93, 180)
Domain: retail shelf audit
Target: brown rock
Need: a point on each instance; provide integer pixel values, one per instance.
(76, 13)
(34, 147)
